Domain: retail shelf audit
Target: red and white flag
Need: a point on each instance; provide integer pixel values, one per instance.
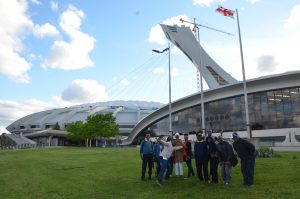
(225, 12)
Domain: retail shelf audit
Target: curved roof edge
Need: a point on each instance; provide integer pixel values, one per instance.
(272, 82)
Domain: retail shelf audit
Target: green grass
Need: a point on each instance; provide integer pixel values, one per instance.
(115, 173)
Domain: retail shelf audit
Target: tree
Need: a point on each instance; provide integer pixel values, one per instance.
(102, 125)
(76, 131)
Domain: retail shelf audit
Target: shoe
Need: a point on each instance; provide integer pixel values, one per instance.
(142, 179)
(158, 183)
(149, 178)
(226, 183)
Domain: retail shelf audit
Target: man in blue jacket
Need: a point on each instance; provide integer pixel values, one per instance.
(246, 152)
(201, 158)
(146, 153)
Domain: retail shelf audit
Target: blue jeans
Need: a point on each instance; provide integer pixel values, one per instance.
(190, 168)
(164, 165)
(247, 166)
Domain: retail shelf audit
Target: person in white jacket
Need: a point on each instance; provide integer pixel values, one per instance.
(166, 154)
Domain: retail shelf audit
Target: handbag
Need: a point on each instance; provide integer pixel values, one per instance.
(234, 161)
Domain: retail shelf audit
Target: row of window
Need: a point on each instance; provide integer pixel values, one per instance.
(267, 110)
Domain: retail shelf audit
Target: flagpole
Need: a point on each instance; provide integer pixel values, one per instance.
(244, 78)
(170, 105)
(201, 83)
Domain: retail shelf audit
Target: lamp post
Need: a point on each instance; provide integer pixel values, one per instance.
(170, 105)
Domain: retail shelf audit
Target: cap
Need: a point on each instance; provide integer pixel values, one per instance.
(199, 135)
(176, 134)
(220, 137)
(234, 134)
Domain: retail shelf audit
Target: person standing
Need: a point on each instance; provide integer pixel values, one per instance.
(225, 152)
(201, 158)
(246, 152)
(146, 153)
(213, 158)
(157, 156)
(188, 155)
(166, 154)
(178, 155)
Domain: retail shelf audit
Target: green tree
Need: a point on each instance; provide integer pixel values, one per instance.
(101, 125)
(77, 131)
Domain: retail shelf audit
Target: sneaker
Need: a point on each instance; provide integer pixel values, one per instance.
(158, 183)
(226, 183)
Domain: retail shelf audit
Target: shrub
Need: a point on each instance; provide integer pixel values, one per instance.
(266, 152)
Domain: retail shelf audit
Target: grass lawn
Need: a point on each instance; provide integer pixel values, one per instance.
(115, 173)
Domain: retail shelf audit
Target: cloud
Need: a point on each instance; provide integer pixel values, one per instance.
(294, 19)
(54, 5)
(159, 71)
(125, 82)
(206, 2)
(253, 1)
(156, 34)
(45, 30)
(82, 91)
(10, 111)
(15, 24)
(75, 54)
(37, 2)
(266, 64)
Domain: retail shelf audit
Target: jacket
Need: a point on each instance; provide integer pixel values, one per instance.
(225, 151)
(244, 149)
(200, 149)
(146, 147)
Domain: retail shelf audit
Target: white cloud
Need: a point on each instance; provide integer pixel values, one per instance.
(294, 19)
(125, 82)
(54, 5)
(37, 2)
(10, 111)
(253, 1)
(156, 34)
(14, 24)
(75, 54)
(45, 30)
(159, 71)
(206, 2)
(82, 91)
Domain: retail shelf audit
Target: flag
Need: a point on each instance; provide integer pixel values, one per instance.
(225, 12)
(157, 51)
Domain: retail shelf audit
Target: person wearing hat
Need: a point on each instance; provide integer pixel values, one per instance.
(178, 155)
(225, 153)
(201, 158)
(246, 152)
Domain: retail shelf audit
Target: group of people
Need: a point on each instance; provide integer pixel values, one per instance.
(209, 153)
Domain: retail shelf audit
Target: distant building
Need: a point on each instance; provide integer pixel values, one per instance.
(47, 128)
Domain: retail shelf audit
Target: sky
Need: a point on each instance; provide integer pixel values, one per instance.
(62, 53)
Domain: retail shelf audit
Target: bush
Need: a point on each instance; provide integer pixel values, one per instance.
(266, 152)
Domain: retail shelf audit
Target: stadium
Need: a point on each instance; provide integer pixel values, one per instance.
(273, 102)
(47, 128)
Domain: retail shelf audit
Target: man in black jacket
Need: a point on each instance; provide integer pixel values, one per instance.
(246, 152)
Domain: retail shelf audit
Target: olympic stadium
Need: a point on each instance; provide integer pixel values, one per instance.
(273, 106)
(47, 128)
(273, 102)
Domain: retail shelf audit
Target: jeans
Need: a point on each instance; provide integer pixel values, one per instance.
(158, 164)
(164, 165)
(214, 162)
(190, 167)
(226, 172)
(147, 159)
(201, 165)
(247, 166)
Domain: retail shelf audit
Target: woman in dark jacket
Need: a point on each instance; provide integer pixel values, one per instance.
(213, 159)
